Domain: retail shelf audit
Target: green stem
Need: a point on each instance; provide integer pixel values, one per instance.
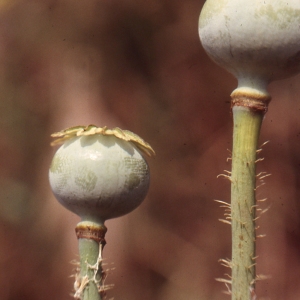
(89, 283)
(247, 124)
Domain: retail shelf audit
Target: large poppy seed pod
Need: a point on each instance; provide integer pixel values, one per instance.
(98, 175)
(258, 41)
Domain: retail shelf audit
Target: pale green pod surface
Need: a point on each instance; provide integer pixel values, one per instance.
(253, 39)
(99, 177)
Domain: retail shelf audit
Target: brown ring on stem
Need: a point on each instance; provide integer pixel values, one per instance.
(95, 233)
(255, 102)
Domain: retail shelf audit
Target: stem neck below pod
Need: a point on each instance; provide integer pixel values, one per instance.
(256, 100)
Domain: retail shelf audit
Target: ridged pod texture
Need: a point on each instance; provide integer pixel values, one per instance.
(99, 177)
(253, 39)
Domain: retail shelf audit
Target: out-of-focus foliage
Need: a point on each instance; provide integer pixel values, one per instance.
(138, 65)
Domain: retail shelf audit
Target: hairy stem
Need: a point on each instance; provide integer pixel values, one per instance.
(247, 124)
(89, 284)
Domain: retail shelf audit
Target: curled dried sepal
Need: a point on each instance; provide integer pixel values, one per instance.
(125, 135)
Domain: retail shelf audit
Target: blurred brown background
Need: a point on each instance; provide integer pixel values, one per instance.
(138, 65)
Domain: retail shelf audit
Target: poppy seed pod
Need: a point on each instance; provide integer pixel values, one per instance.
(99, 176)
(257, 41)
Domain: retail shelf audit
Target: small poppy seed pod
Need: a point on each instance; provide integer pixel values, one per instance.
(99, 176)
(257, 41)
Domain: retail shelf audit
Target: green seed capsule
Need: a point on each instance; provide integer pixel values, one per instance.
(99, 177)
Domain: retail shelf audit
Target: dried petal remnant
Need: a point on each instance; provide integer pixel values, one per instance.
(125, 135)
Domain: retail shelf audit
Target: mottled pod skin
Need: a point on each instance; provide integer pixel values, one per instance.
(99, 177)
(258, 41)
